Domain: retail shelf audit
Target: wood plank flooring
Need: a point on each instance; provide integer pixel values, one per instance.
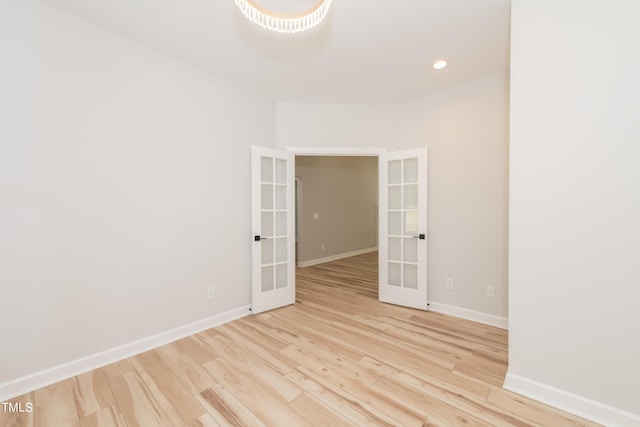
(337, 357)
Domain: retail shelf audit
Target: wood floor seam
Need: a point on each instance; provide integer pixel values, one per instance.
(337, 357)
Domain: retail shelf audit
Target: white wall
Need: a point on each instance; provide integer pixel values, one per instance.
(466, 130)
(334, 125)
(124, 190)
(575, 206)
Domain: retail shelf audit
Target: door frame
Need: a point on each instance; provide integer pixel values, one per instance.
(297, 212)
(337, 151)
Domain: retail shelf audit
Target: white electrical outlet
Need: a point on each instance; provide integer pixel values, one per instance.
(211, 292)
(322, 247)
(491, 291)
(449, 283)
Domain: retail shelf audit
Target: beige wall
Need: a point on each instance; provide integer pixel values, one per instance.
(343, 192)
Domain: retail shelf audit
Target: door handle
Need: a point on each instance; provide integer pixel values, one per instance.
(420, 236)
(258, 238)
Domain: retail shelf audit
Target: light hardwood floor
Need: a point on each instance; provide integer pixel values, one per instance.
(337, 357)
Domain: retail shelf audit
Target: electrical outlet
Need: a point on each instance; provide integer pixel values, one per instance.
(491, 291)
(211, 292)
(449, 283)
(316, 216)
(322, 247)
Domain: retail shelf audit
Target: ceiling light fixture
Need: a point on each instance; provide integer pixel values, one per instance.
(284, 22)
(439, 64)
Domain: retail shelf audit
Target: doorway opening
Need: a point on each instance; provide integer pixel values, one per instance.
(337, 218)
(401, 224)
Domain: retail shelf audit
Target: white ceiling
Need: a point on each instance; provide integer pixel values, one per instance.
(365, 51)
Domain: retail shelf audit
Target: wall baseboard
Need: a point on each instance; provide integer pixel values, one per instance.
(62, 372)
(569, 402)
(476, 316)
(335, 257)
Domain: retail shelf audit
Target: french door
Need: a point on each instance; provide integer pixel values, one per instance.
(273, 237)
(402, 245)
(402, 217)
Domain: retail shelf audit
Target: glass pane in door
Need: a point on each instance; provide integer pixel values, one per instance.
(267, 278)
(267, 251)
(395, 274)
(281, 250)
(281, 276)
(267, 224)
(267, 196)
(266, 169)
(410, 276)
(395, 172)
(281, 171)
(410, 223)
(411, 197)
(410, 170)
(395, 250)
(395, 223)
(410, 249)
(281, 197)
(395, 197)
(281, 224)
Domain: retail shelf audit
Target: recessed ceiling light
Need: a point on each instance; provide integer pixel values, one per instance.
(439, 64)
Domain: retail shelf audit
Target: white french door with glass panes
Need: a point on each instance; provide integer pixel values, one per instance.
(402, 243)
(273, 238)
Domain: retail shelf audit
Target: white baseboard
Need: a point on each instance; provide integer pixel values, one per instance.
(335, 257)
(476, 316)
(49, 376)
(569, 402)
